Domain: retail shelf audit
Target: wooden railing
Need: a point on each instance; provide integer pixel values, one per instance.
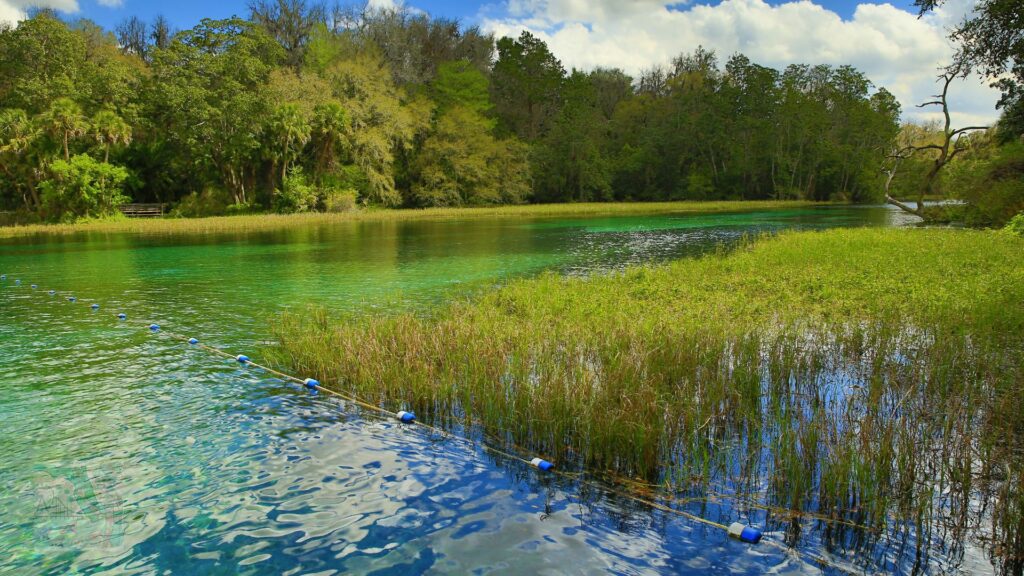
(142, 210)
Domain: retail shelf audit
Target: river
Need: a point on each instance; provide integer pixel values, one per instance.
(132, 453)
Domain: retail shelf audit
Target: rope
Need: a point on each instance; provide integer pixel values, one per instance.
(245, 361)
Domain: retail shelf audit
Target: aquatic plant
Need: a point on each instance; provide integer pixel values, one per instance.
(868, 381)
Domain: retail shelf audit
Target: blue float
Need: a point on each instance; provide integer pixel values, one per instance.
(34, 286)
(122, 316)
(154, 327)
(542, 464)
(405, 417)
(746, 534)
(310, 383)
(52, 292)
(17, 282)
(3, 276)
(72, 299)
(95, 306)
(242, 358)
(193, 341)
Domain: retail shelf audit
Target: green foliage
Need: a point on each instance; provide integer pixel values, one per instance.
(209, 202)
(526, 85)
(461, 163)
(992, 185)
(380, 123)
(110, 130)
(296, 194)
(330, 127)
(209, 87)
(40, 61)
(336, 201)
(64, 122)
(569, 163)
(1016, 225)
(82, 188)
(409, 111)
(461, 84)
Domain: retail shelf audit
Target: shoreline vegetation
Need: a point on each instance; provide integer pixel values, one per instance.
(868, 381)
(267, 222)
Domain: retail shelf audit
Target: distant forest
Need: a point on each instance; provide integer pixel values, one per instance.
(301, 108)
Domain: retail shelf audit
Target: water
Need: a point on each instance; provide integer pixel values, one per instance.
(126, 452)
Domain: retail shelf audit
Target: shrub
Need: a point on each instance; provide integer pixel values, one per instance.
(210, 202)
(82, 188)
(340, 200)
(296, 194)
(240, 208)
(1016, 225)
(993, 188)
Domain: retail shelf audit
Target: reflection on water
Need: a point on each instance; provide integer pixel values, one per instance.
(129, 453)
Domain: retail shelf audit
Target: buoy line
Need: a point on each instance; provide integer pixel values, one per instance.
(736, 530)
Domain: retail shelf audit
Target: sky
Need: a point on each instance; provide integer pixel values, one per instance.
(886, 40)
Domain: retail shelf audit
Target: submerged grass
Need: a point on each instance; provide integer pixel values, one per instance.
(872, 378)
(264, 222)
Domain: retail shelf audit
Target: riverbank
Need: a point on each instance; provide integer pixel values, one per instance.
(857, 375)
(264, 222)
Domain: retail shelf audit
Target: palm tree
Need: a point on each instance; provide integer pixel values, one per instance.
(17, 134)
(291, 130)
(109, 129)
(330, 123)
(64, 121)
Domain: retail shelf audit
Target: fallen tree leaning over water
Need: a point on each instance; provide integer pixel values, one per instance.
(868, 380)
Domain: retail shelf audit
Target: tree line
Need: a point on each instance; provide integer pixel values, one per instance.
(297, 107)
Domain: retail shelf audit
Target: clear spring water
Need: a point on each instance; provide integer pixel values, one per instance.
(125, 452)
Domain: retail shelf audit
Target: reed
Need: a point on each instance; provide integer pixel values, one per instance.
(266, 222)
(871, 379)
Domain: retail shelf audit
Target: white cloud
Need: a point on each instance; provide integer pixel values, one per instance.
(111, 3)
(893, 47)
(12, 11)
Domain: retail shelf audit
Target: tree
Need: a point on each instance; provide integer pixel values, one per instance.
(329, 127)
(461, 163)
(290, 22)
(413, 45)
(110, 130)
(82, 188)
(290, 132)
(209, 96)
(40, 61)
(17, 136)
(992, 43)
(380, 122)
(526, 86)
(160, 33)
(132, 36)
(952, 145)
(64, 121)
(569, 165)
(459, 83)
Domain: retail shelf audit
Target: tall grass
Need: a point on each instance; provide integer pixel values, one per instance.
(870, 378)
(263, 222)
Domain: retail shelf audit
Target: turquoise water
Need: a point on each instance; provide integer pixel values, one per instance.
(128, 452)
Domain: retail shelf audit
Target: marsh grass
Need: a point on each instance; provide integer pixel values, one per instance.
(268, 222)
(869, 379)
